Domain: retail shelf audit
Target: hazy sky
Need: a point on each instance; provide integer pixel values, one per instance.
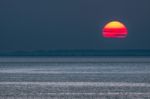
(72, 24)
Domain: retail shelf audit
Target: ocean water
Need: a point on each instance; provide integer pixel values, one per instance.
(38, 78)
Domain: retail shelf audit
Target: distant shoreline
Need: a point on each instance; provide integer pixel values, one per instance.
(77, 53)
(75, 59)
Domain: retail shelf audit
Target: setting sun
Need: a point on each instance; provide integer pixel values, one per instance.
(115, 29)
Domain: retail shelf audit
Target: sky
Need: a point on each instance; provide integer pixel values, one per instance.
(72, 24)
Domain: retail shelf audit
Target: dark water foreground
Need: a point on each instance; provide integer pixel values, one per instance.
(26, 79)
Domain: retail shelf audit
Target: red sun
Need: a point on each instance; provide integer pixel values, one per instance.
(115, 29)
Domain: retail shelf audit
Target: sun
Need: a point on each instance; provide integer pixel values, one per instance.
(115, 29)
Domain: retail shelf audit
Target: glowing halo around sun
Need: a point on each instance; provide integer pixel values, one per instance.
(115, 29)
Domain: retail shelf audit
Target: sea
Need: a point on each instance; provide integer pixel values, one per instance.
(74, 78)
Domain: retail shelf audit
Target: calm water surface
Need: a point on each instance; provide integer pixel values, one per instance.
(74, 80)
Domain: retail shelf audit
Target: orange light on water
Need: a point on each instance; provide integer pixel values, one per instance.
(115, 29)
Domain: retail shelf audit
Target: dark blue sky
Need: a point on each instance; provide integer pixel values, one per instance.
(72, 24)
